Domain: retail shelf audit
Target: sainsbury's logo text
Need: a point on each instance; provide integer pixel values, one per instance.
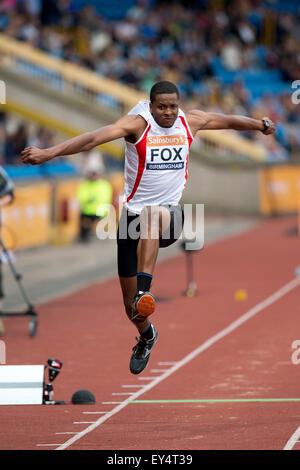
(159, 140)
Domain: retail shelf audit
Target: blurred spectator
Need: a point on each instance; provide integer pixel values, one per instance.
(231, 54)
(15, 135)
(95, 195)
(2, 144)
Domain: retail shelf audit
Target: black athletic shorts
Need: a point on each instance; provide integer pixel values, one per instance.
(128, 236)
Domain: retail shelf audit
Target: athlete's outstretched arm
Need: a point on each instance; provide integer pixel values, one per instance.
(200, 120)
(123, 127)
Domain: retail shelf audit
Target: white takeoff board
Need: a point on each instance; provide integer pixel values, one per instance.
(21, 385)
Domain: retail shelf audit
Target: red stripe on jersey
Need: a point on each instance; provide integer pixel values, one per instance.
(190, 140)
(141, 150)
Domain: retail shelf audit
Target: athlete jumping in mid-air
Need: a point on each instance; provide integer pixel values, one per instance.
(158, 135)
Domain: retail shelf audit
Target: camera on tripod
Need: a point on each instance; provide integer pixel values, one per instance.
(54, 367)
(7, 189)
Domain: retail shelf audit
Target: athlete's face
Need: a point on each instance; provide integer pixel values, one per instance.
(164, 109)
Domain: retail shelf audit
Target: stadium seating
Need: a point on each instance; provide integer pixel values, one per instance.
(112, 10)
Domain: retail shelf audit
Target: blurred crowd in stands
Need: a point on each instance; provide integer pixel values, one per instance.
(16, 134)
(178, 41)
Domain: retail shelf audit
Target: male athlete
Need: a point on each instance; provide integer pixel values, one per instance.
(158, 135)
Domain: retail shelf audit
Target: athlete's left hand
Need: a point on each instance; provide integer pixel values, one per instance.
(34, 155)
(271, 129)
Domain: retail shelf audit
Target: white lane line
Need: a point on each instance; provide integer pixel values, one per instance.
(84, 422)
(167, 363)
(292, 440)
(111, 402)
(203, 347)
(159, 370)
(94, 412)
(67, 432)
(148, 378)
(122, 393)
(133, 386)
(46, 445)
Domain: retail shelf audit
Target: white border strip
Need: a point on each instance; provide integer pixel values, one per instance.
(207, 344)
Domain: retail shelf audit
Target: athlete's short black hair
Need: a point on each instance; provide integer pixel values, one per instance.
(163, 87)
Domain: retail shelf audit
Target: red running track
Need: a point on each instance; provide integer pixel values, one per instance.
(89, 332)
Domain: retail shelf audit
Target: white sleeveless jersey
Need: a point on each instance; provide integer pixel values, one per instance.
(156, 166)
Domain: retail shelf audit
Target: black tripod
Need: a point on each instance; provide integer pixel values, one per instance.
(30, 312)
(190, 251)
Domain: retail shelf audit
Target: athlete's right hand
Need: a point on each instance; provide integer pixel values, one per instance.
(34, 155)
